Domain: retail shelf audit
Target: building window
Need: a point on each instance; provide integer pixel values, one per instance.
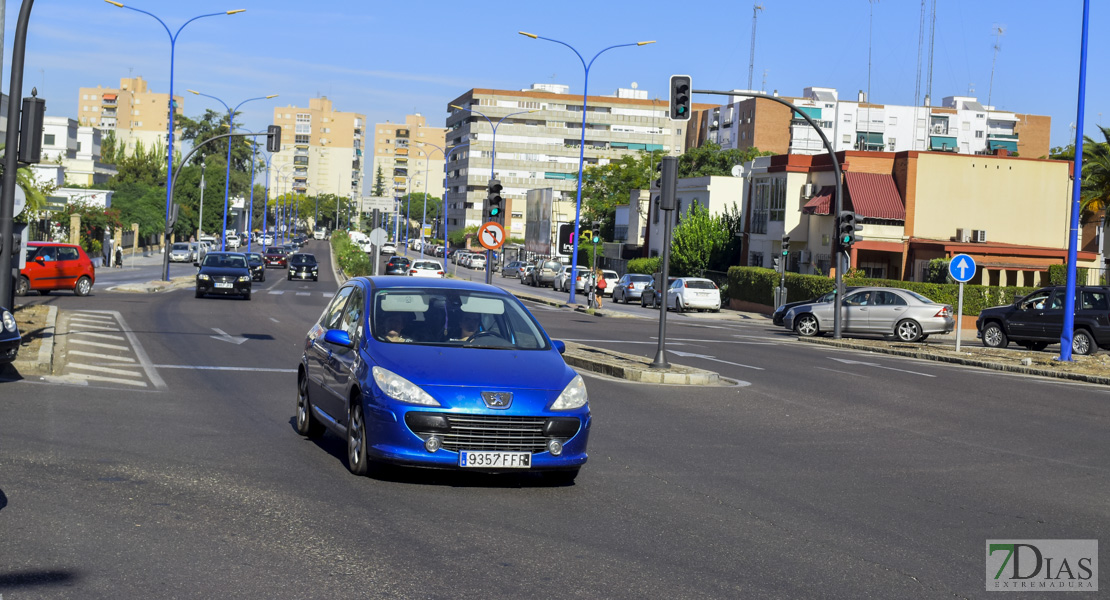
(847, 138)
(979, 134)
(979, 115)
(761, 207)
(755, 259)
(304, 118)
(300, 139)
(965, 126)
(823, 263)
(894, 120)
(873, 270)
(890, 144)
(48, 139)
(303, 128)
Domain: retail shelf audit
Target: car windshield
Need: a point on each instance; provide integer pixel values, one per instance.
(447, 317)
(276, 251)
(254, 257)
(182, 247)
(230, 261)
(427, 265)
(303, 259)
(551, 265)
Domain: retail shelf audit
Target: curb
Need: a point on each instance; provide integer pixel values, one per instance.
(971, 362)
(153, 287)
(43, 364)
(634, 368)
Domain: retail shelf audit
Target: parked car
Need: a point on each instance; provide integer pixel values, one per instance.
(903, 314)
(526, 273)
(182, 252)
(1037, 320)
(512, 269)
(303, 266)
(276, 256)
(780, 312)
(257, 265)
(476, 261)
(650, 297)
(9, 337)
(544, 273)
(366, 375)
(397, 265)
(693, 293)
(630, 287)
(611, 278)
(427, 268)
(224, 273)
(562, 278)
(54, 266)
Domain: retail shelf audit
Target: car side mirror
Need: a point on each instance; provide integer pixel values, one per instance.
(196, 264)
(40, 260)
(339, 337)
(560, 345)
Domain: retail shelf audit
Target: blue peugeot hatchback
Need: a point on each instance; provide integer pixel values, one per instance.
(443, 374)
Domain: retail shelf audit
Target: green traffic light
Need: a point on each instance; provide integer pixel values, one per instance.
(494, 212)
(847, 239)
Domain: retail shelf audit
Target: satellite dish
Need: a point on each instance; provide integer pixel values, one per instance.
(738, 171)
(635, 85)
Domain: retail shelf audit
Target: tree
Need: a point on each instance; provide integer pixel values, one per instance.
(604, 187)
(379, 183)
(1094, 192)
(695, 240)
(730, 254)
(142, 166)
(710, 159)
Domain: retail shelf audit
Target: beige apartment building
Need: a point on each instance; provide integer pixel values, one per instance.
(321, 150)
(407, 156)
(131, 111)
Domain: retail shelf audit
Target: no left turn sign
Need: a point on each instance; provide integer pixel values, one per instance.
(491, 235)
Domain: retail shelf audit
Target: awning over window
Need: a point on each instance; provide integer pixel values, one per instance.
(874, 195)
(1010, 145)
(943, 143)
(869, 140)
(821, 203)
(813, 112)
(109, 96)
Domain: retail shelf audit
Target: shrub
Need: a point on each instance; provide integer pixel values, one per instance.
(351, 259)
(938, 271)
(1058, 275)
(644, 266)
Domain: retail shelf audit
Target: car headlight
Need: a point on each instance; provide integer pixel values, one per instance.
(399, 388)
(573, 396)
(202, 277)
(244, 278)
(9, 322)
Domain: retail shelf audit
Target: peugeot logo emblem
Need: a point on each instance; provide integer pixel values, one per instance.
(498, 399)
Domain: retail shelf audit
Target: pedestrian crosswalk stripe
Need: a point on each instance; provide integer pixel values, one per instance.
(102, 356)
(304, 293)
(277, 292)
(83, 379)
(103, 369)
(99, 345)
(93, 316)
(107, 336)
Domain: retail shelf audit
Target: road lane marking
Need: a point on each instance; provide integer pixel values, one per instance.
(877, 365)
(304, 293)
(92, 316)
(136, 347)
(225, 337)
(219, 368)
(90, 325)
(276, 292)
(104, 356)
(274, 320)
(707, 357)
(107, 336)
(102, 368)
(100, 345)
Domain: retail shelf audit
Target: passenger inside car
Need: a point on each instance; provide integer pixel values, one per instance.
(394, 326)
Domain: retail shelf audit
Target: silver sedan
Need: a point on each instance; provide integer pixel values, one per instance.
(906, 315)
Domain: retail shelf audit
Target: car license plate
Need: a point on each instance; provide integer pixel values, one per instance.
(495, 460)
(222, 285)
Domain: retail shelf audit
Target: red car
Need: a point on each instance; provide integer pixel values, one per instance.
(275, 257)
(53, 266)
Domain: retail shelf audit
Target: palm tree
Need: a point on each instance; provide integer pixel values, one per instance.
(1094, 192)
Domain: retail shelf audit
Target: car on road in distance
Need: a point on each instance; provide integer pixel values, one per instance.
(512, 269)
(9, 336)
(224, 273)
(182, 252)
(1037, 320)
(55, 266)
(257, 265)
(526, 273)
(319, 233)
(390, 367)
(276, 256)
(543, 275)
(303, 266)
(397, 265)
(629, 287)
(389, 248)
(650, 297)
(427, 268)
(693, 293)
(476, 261)
(780, 312)
(890, 312)
(562, 278)
(232, 241)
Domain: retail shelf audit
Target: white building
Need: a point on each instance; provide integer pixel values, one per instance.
(71, 154)
(717, 194)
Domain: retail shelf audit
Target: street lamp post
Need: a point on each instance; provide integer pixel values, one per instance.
(169, 136)
(266, 202)
(582, 143)
(227, 174)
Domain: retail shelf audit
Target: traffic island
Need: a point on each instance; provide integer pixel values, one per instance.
(152, 287)
(37, 324)
(634, 368)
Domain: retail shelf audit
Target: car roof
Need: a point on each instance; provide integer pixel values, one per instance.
(387, 282)
(50, 244)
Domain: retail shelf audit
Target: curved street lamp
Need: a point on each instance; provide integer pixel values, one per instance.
(582, 144)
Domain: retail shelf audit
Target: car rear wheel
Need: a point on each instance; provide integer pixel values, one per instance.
(307, 425)
(357, 461)
(1083, 343)
(908, 330)
(22, 286)
(994, 336)
(807, 325)
(561, 477)
(679, 307)
(84, 285)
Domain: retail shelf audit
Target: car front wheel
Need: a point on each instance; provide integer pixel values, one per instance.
(22, 286)
(357, 461)
(807, 325)
(908, 330)
(994, 336)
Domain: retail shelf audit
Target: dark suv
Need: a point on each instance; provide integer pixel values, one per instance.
(1037, 320)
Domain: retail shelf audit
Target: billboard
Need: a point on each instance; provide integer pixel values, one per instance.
(382, 203)
(537, 226)
(564, 240)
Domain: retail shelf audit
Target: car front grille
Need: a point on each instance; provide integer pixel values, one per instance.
(224, 278)
(493, 432)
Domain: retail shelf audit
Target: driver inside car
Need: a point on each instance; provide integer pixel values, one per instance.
(469, 323)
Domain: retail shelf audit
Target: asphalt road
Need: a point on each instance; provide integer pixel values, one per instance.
(820, 473)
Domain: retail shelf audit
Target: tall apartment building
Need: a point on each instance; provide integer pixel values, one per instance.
(403, 158)
(960, 124)
(321, 150)
(132, 111)
(539, 149)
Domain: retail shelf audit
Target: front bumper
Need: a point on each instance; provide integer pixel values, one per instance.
(238, 288)
(9, 348)
(302, 274)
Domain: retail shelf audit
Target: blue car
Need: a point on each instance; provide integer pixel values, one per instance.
(9, 337)
(444, 374)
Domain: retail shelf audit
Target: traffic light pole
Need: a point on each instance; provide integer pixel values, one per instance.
(7, 196)
(668, 189)
(839, 197)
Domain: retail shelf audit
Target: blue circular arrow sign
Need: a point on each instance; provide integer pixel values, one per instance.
(962, 268)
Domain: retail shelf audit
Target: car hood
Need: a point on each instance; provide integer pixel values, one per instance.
(224, 271)
(443, 367)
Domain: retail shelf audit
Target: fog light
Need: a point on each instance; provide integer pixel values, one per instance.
(432, 444)
(555, 447)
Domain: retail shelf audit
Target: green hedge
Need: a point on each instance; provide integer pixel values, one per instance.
(644, 266)
(351, 259)
(1058, 275)
(756, 284)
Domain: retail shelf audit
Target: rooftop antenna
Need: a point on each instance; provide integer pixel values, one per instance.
(751, 61)
(932, 39)
(999, 30)
(763, 87)
(870, 20)
(917, 80)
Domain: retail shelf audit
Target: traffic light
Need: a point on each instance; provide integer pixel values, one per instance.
(785, 245)
(847, 224)
(680, 97)
(494, 200)
(273, 138)
(596, 237)
(30, 129)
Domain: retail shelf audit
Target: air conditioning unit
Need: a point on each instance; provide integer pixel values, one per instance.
(807, 191)
(979, 236)
(960, 237)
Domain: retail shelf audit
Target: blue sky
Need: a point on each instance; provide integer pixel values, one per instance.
(389, 59)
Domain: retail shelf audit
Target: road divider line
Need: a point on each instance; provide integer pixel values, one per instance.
(103, 356)
(276, 292)
(99, 345)
(103, 369)
(304, 293)
(220, 368)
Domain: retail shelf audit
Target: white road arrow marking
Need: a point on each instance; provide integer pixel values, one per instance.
(707, 357)
(877, 365)
(224, 337)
